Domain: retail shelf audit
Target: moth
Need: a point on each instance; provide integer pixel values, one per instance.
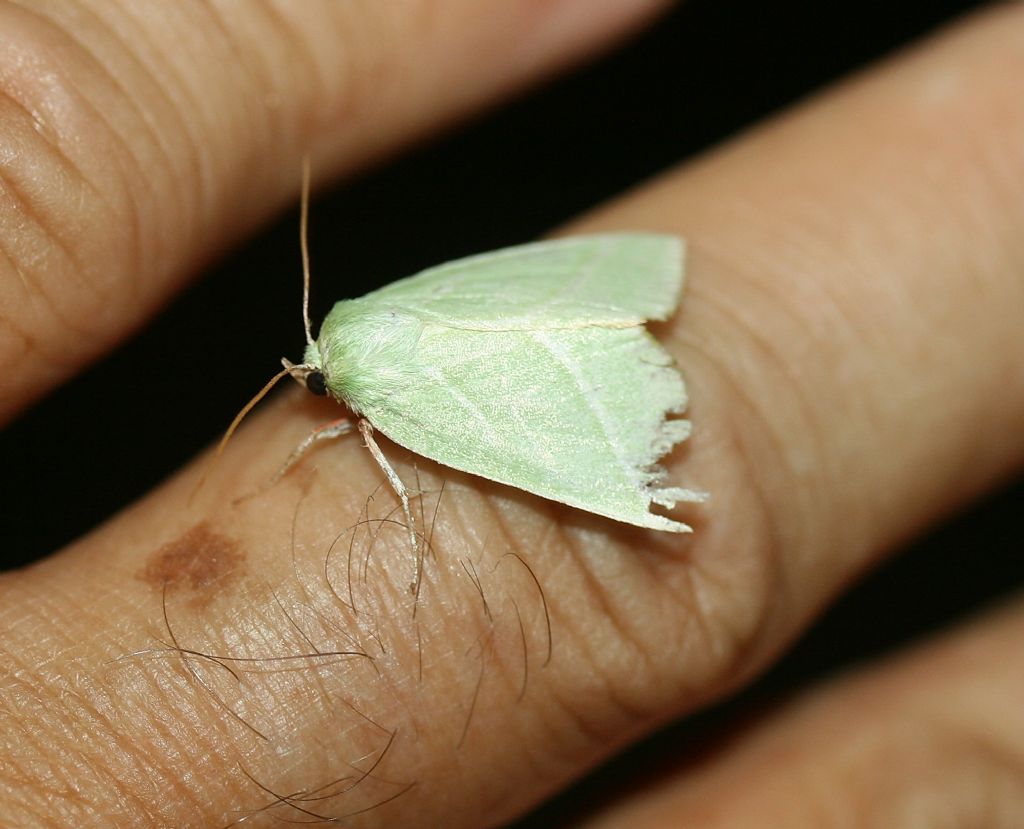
(530, 366)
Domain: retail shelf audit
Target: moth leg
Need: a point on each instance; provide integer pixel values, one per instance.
(326, 431)
(366, 430)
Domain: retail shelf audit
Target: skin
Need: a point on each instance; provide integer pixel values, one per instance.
(826, 247)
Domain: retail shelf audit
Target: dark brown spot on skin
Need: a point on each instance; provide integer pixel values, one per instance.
(202, 561)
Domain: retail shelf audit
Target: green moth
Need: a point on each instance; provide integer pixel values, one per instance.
(530, 366)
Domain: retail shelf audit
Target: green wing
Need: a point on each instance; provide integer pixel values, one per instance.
(576, 415)
(606, 280)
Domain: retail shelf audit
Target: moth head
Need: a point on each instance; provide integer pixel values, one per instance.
(307, 374)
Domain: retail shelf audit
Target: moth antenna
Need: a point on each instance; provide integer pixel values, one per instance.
(304, 246)
(248, 407)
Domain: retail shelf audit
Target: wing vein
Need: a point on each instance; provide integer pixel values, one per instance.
(468, 405)
(595, 407)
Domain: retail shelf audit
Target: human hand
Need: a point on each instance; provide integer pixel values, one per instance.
(826, 251)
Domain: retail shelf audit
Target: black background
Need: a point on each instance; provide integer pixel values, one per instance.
(701, 74)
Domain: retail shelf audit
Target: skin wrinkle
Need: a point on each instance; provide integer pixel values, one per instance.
(244, 91)
(499, 521)
(70, 322)
(368, 84)
(144, 113)
(181, 699)
(252, 62)
(23, 280)
(147, 116)
(782, 477)
(98, 758)
(8, 324)
(315, 677)
(730, 654)
(69, 86)
(94, 746)
(785, 316)
(576, 735)
(565, 622)
(57, 779)
(636, 645)
(992, 157)
(353, 93)
(21, 201)
(346, 97)
(734, 652)
(186, 113)
(686, 599)
(43, 130)
(547, 753)
(773, 361)
(320, 675)
(257, 88)
(151, 785)
(186, 695)
(1002, 176)
(604, 728)
(609, 613)
(727, 376)
(774, 575)
(573, 553)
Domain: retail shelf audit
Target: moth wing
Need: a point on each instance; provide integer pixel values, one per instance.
(611, 279)
(574, 415)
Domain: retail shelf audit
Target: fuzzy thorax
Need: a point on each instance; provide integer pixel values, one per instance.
(364, 350)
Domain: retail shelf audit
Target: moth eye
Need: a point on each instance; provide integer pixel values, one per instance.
(316, 383)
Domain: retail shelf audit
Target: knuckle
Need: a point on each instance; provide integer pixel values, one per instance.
(750, 579)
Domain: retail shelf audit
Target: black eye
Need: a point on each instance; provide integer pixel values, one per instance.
(316, 384)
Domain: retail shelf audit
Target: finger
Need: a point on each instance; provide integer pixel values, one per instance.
(460, 690)
(934, 737)
(138, 128)
(854, 315)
